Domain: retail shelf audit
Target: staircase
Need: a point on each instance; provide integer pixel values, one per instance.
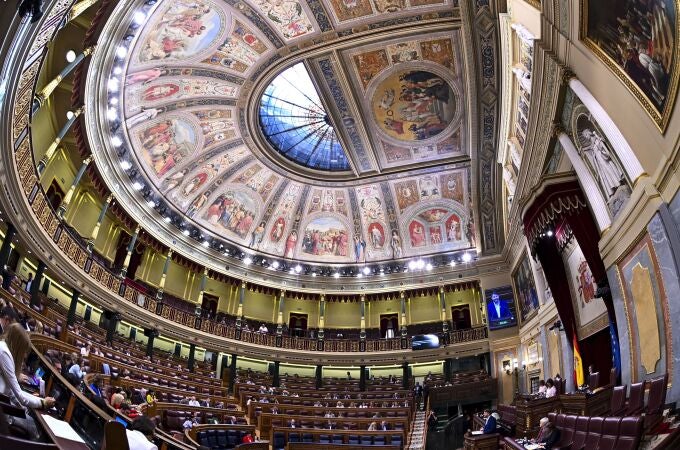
(416, 438)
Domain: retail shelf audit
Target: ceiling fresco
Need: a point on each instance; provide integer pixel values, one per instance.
(397, 105)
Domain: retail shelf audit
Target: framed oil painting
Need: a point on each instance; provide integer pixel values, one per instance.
(525, 289)
(638, 41)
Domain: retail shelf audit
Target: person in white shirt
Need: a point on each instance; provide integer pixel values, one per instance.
(263, 329)
(551, 390)
(194, 402)
(139, 434)
(542, 387)
(14, 346)
(85, 351)
(76, 371)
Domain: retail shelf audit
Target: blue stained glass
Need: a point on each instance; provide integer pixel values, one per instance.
(296, 124)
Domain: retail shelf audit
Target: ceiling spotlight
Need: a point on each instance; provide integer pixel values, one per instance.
(275, 264)
(113, 101)
(367, 270)
(298, 268)
(151, 203)
(117, 142)
(467, 257)
(167, 219)
(336, 275)
(412, 265)
(121, 52)
(139, 17)
(247, 260)
(360, 275)
(428, 266)
(137, 186)
(313, 274)
(185, 232)
(549, 233)
(452, 263)
(205, 244)
(70, 56)
(117, 70)
(111, 114)
(69, 115)
(420, 264)
(112, 85)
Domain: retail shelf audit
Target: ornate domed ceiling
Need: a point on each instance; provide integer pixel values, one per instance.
(325, 131)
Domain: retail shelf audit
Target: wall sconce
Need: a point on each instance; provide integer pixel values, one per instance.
(507, 366)
(524, 365)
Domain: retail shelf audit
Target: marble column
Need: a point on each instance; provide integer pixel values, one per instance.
(164, 276)
(37, 281)
(42, 96)
(69, 194)
(192, 357)
(49, 153)
(130, 248)
(97, 226)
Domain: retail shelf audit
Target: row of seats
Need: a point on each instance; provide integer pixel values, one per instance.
(174, 420)
(601, 433)
(280, 439)
(636, 402)
(221, 439)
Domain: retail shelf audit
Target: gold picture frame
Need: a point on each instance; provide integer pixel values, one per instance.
(660, 116)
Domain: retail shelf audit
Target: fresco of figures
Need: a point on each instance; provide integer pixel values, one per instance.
(525, 288)
(240, 51)
(287, 16)
(637, 38)
(587, 306)
(325, 237)
(164, 90)
(185, 29)
(233, 211)
(413, 105)
(166, 143)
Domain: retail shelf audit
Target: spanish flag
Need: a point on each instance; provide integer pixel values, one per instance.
(578, 364)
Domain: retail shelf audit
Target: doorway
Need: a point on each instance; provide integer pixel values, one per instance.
(297, 324)
(460, 317)
(388, 325)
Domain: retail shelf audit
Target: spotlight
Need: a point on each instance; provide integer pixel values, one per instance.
(412, 265)
(151, 203)
(549, 233)
(112, 85)
(137, 186)
(247, 260)
(70, 56)
(467, 257)
(420, 264)
(121, 52)
(113, 101)
(111, 114)
(69, 115)
(367, 270)
(314, 274)
(117, 70)
(428, 266)
(360, 275)
(298, 268)
(205, 244)
(275, 264)
(117, 142)
(185, 232)
(167, 219)
(336, 275)
(452, 263)
(139, 17)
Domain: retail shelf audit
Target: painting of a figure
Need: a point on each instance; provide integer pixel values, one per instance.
(376, 235)
(525, 287)
(325, 236)
(370, 64)
(453, 229)
(417, 233)
(184, 30)
(351, 9)
(166, 143)
(637, 40)
(234, 211)
(413, 105)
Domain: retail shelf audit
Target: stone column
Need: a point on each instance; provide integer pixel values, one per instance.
(591, 190)
(49, 153)
(624, 152)
(201, 287)
(322, 318)
(6, 250)
(166, 266)
(276, 381)
(37, 281)
(319, 376)
(232, 373)
(42, 96)
(69, 195)
(362, 378)
(114, 318)
(362, 325)
(130, 248)
(151, 335)
(192, 357)
(97, 226)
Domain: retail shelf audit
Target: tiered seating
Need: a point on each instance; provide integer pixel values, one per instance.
(287, 438)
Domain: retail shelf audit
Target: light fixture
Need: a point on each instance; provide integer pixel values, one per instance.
(117, 70)
(428, 266)
(360, 275)
(112, 85)
(205, 244)
(467, 257)
(70, 56)
(167, 219)
(139, 17)
(367, 270)
(314, 274)
(121, 52)
(117, 142)
(111, 114)
(150, 203)
(137, 186)
(185, 232)
(336, 275)
(113, 101)
(298, 268)
(275, 264)
(412, 265)
(420, 264)
(452, 263)
(247, 260)
(69, 115)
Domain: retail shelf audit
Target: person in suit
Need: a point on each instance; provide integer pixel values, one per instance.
(498, 309)
(490, 424)
(384, 426)
(7, 317)
(549, 436)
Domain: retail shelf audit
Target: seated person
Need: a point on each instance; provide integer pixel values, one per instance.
(248, 438)
(551, 390)
(373, 426)
(542, 387)
(140, 434)
(490, 424)
(548, 434)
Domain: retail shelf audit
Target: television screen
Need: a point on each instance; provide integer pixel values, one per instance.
(500, 307)
(121, 420)
(424, 341)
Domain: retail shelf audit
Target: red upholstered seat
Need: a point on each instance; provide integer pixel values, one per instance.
(657, 395)
(630, 433)
(580, 433)
(618, 402)
(594, 433)
(636, 401)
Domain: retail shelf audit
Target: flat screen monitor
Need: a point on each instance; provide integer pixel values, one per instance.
(121, 420)
(424, 341)
(500, 307)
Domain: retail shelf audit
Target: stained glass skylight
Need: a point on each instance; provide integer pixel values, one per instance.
(296, 124)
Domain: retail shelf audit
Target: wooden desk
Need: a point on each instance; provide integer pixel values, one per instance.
(465, 392)
(320, 410)
(266, 421)
(63, 443)
(481, 441)
(581, 404)
(344, 434)
(530, 411)
(317, 446)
